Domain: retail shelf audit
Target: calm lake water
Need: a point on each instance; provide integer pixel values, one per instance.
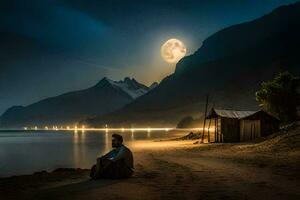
(28, 152)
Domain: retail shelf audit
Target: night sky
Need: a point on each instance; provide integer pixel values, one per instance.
(48, 47)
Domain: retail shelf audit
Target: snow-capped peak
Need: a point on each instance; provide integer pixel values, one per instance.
(129, 86)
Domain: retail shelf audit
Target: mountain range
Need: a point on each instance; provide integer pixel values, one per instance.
(229, 66)
(66, 109)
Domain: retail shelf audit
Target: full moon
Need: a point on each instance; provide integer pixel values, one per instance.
(173, 50)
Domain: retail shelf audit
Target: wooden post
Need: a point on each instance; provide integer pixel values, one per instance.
(218, 139)
(205, 113)
(215, 130)
(221, 131)
(208, 134)
(208, 131)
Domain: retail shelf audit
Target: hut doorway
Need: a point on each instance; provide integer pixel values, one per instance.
(249, 129)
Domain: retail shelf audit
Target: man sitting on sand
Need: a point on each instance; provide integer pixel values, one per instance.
(118, 163)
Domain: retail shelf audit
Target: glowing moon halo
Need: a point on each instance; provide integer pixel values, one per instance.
(173, 50)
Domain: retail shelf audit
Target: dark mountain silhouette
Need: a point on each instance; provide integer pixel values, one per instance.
(153, 85)
(229, 66)
(66, 109)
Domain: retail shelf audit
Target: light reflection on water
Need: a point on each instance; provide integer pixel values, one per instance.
(27, 152)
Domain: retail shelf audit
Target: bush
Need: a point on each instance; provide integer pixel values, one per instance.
(280, 96)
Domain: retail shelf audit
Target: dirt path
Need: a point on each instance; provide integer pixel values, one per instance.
(227, 179)
(177, 174)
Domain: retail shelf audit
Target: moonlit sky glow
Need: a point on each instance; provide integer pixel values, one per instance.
(49, 47)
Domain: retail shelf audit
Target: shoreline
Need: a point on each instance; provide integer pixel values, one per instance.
(179, 170)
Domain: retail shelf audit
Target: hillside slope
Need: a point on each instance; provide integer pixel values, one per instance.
(66, 109)
(229, 66)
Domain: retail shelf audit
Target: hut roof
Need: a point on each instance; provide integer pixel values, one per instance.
(230, 113)
(236, 114)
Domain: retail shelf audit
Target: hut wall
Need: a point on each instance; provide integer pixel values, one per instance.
(230, 130)
(249, 129)
(268, 124)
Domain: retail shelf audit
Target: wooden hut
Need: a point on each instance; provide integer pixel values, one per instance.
(237, 126)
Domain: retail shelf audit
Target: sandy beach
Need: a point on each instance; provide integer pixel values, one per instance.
(266, 169)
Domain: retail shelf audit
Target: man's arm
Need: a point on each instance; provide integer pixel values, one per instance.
(108, 155)
(121, 154)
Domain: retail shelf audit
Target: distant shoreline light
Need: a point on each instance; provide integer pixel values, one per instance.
(106, 129)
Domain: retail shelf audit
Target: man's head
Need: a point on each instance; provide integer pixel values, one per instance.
(117, 140)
